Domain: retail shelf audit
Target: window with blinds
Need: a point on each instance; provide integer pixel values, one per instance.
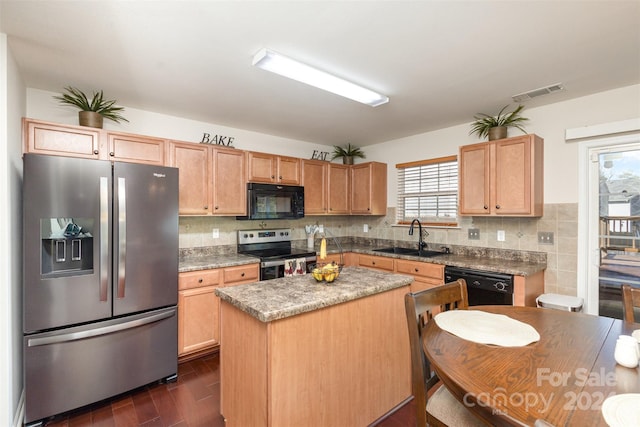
(428, 190)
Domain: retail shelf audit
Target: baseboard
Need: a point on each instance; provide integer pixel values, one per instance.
(18, 420)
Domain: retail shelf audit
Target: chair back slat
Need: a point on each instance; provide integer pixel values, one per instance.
(630, 300)
(420, 308)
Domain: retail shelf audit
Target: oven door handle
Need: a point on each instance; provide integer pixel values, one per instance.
(274, 263)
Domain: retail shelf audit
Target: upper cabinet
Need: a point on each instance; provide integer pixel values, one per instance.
(137, 149)
(269, 168)
(81, 141)
(338, 189)
(194, 176)
(61, 140)
(212, 179)
(229, 181)
(369, 189)
(502, 177)
(314, 181)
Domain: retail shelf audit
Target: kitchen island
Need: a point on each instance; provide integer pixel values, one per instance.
(297, 352)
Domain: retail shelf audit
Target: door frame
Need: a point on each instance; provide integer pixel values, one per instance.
(588, 216)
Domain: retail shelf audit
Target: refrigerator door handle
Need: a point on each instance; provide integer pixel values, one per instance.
(73, 336)
(122, 235)
(104, 237)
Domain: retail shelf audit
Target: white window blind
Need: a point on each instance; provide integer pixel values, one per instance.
(428, 190)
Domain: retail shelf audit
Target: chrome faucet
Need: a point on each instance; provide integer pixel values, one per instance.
(421, 243)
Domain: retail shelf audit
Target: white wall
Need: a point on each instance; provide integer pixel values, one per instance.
(12, 108)
(41, 105)
(550, 122)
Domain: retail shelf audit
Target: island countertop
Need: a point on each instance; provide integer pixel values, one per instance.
(288, 296)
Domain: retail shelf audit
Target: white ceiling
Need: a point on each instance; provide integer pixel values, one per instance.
(440, 62)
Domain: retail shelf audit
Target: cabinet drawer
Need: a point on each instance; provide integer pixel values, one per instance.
(421, 269)
(241, 274)
(381, 263)
(197, 279)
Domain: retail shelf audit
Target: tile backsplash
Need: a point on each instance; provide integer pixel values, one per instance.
(519, 234)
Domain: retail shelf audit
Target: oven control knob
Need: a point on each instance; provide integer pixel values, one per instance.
(501, 286)
(476, 283)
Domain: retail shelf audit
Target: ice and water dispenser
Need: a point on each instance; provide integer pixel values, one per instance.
(67, 246)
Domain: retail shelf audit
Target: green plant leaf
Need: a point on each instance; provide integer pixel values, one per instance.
(107, 109)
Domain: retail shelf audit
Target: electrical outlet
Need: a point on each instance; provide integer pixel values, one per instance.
(545, 237)
(320, 228)
(500, 236)
(215, 233)
(365, 228)
(474, 234)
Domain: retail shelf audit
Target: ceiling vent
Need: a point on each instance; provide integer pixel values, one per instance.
(525, 96)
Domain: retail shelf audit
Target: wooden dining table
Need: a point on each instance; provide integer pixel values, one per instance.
(562, 379)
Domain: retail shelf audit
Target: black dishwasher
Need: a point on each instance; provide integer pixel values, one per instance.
(483, 287)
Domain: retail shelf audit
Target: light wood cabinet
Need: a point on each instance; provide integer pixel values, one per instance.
(194, 171)
(426, 274)
(229, 182)
(61, 140)
(338, 189)
(91, 143)
(212, 179)
(269, 168)
(241, 274)
(314, 180)
(502, 177)
(198, 311)
(376, 262)
(369, 188)
(199, 306)
(137, 149)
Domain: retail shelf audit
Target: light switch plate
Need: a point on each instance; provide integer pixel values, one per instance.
(215, 233)
(365, 228)
(500, 236)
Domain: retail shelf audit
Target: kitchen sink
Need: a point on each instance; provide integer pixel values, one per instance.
(409, 251)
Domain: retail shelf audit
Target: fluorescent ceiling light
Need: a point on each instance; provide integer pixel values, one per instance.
(287, 67)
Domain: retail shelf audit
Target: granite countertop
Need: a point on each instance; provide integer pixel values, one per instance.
(288, 296)
(519, 263)
(503, 265)
(206, 262)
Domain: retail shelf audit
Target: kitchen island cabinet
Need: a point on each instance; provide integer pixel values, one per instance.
(297, 352)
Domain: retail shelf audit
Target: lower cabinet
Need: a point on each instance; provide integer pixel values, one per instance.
(199, 307)
(376, 262)
(426, 275)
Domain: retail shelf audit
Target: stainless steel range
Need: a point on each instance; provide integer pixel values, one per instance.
(277, 257)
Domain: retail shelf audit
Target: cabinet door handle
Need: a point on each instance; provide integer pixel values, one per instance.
(497, 206)
(486, 207)
(217, 207)
(416, 269)
(206, 207)
(242, 274)
(200, 280)
(96, 152)
(112, 154)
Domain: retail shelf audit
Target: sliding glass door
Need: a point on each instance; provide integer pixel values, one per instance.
(614, 224)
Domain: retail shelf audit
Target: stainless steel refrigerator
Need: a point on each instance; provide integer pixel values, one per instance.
(100, 280)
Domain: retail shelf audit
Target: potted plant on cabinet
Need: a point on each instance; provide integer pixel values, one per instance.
(92, 112)
(495, 127)
(347, 153)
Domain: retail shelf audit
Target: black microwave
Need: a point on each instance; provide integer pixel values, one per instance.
(273, 201)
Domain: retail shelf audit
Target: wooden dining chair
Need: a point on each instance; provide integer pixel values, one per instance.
(437, 407)
(630, 300)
